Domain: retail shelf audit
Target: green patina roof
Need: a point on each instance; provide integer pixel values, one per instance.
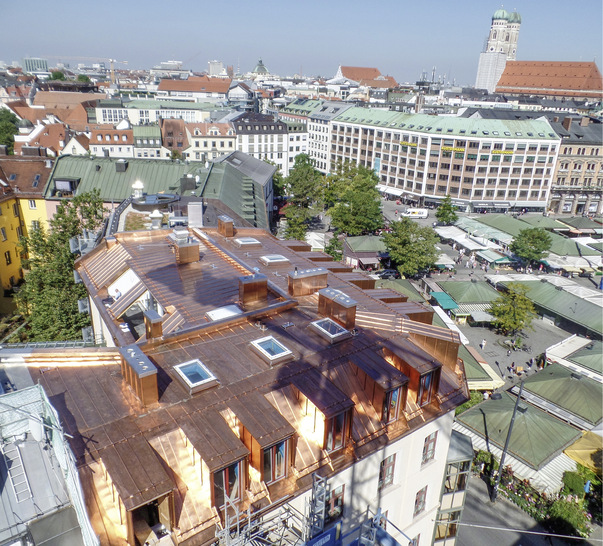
(579, 222)
(473, 370)
(468, 291)
(597, 246)
(366, 243)
(239, 193)
(143, 104)
(543, 222)
(582, 397)
(146, 131)
(403, 286)
(157, 176)
(450, 126)
(301, 107)
(564, 304)
(537, 437)
(562, 246)
(590, 356)
(444, 300)
(478, 229)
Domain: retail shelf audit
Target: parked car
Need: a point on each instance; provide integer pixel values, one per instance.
(389, 274)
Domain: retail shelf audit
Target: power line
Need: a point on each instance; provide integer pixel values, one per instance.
(508, 530)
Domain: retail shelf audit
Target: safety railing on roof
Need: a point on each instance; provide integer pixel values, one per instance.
(54, 344)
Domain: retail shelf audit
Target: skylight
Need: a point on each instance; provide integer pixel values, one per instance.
(271, 350)
(247, 241)
(225, 312)
(330, 330)
(273, 259)
(195, 376)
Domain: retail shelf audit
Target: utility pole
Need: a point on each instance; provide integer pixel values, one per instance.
(504, 453)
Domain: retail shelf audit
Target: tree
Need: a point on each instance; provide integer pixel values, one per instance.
(278, 180)
(334, 247)
(83, 78)
(513, 310)
(296, 223)
(49, 295)
(446, 212)
(57, 75)
(8, 129)
(411, 247)
(531, 244)
(303, 183)
(354, 199)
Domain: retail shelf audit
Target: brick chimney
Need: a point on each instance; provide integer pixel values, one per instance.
(584, 121)
(567, 123)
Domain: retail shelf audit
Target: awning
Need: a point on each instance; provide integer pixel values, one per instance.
(369, 260)
(585, 451)
(389, 189)
(481, 316)
(444, 300)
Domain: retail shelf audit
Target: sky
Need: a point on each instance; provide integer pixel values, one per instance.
(401, 38)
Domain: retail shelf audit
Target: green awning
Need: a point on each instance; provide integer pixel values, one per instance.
(444, 300)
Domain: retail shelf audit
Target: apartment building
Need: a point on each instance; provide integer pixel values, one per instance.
(256, 379)
(263, 137)
(483, 164)
(143, 111)
(22, 208)
(112, 140)
(319, 132)
(209, 141)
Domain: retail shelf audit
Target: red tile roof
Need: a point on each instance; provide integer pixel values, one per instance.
(383, 82)
(52, 137)
(200, 84)
(64, 99)
(204, 128)
(358, 73)
(570, 79)
(26, 169)
(103, 131)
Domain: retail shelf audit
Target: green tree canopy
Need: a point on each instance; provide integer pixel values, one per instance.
(49, 295)
(278, 180)
(296, 223)
(83, 78)
(512, 309)
(355, 203)
(445, 213)
(8, 129)
(411, 246)
(334, 247)
(531, 244)
(57, 75)
(303, 185)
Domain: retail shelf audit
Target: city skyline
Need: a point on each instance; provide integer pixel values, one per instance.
(402, 39)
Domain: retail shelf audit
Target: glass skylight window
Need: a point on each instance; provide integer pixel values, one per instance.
(195, 376)
(273, 259)
(225, 312)
(247, 241)
(330, 330)
(271, 350)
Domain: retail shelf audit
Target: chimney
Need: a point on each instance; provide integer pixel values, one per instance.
(186, 247)
(304, 282)
(567, 123)
(110, 242)
(253, 288)
(153, 324)
(226, 226)
(584, 121)
(338, 306)
(140, 373)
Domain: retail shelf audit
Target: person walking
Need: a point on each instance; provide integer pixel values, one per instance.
(483, 343)
(508, 352)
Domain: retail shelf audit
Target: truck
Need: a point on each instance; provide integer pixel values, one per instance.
(415, 213)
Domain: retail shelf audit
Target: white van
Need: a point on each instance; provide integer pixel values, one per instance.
(415, 213)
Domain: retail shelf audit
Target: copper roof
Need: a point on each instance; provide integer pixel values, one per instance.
(576, 79)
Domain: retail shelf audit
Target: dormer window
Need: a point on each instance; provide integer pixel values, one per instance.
(275, 462)
(227, 483)
(391, 406)
(335, 428)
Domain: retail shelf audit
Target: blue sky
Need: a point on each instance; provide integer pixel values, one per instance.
(401, 38)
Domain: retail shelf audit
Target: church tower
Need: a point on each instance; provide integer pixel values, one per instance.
(501, 46)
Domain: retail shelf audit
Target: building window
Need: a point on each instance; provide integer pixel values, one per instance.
(457, 476)
(335, 504)
(429, 447)
(386, 471)
(424, 396)
(3, 233)
(391, 405)
(35, 224)
(420, 501)
(7, 257)
(16, 210)
(447, 525)
(335, 429)
(227, 483)
(275, 462)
